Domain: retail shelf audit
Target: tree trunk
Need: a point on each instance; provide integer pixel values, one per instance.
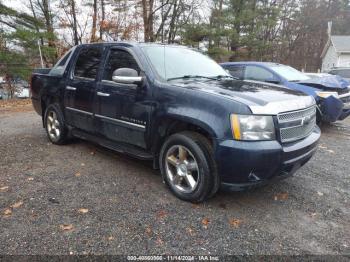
(102, 19)
(75, 24)
(148, 16)
(94, 19)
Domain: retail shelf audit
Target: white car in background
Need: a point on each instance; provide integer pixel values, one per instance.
(23, 93)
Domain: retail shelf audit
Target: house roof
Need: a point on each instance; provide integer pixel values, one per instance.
(341, 44)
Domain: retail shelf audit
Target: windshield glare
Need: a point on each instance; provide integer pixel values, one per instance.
(176, 62)
(289, 73)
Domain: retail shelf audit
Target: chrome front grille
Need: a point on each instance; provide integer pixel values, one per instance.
(297, 124)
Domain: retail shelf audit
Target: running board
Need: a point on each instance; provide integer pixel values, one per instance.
(115, 146)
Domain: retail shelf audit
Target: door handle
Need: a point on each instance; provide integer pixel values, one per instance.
(102, 94)
(71, 88)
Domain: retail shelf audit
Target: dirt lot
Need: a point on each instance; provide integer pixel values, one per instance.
(82, 199)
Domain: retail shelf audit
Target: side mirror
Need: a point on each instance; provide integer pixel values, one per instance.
(126, 76)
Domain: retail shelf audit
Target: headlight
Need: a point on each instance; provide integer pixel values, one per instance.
(327, 94)
(252, 127)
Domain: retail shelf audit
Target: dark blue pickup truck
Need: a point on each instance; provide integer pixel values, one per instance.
(173, 105)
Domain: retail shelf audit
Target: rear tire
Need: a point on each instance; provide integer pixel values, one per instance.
(54, 124)
(188, 167)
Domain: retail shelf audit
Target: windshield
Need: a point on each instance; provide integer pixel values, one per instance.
(289, 73)
(177, 62)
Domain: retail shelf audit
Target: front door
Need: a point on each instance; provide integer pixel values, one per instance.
(81, 88)
(122, 112)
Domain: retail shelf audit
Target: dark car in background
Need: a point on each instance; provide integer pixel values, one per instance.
(332, 93)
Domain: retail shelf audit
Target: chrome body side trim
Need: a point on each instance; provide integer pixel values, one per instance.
(120, 121)
(344, 95)
(79, 111)
(102, 94)
(71, 88)
(274, 108)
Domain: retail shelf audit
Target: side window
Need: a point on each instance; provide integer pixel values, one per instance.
(61, 65)
(258, 73)
(64, 59)
(119, 59)
(236, 71)
(88, 62)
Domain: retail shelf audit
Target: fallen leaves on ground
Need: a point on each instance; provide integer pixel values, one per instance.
(235, 222)
(159, 241)
(83, 210)
(148, 231)
(66, 227)
(4, 188)
(205, 222)
(281, 196)
(161, 214)
(326, 149)
(15, 102)
(190, 231)
(7, 212)
(196, 206)
(17, 204)
(313, 214)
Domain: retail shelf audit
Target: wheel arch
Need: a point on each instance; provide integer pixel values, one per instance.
(45, 102)
(169, 125)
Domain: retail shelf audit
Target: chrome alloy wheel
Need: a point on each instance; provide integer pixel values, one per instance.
(182, 169)
(53, 126)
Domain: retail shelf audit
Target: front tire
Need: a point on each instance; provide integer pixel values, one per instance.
(55, 125)
(188, 167)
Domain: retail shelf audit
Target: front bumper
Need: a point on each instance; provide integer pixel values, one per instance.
(243, 165)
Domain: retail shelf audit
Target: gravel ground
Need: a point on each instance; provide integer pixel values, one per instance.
(83, 199)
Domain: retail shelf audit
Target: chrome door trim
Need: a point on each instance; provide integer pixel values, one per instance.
(102, 94)
(71, 88)
(344, 95)
(79, 111)
(120, 121)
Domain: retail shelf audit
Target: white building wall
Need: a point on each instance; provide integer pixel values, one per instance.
(344, 60)
(330, 59)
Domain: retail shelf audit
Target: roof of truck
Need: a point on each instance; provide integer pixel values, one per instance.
(131, 44)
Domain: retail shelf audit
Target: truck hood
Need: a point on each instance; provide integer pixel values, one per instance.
(260, 97)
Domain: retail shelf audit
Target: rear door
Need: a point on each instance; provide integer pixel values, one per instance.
(258, 73)
(81, 87)
(123, 110)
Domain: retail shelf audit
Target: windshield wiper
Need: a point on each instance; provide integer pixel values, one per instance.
(219, 77)
(191, 76)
